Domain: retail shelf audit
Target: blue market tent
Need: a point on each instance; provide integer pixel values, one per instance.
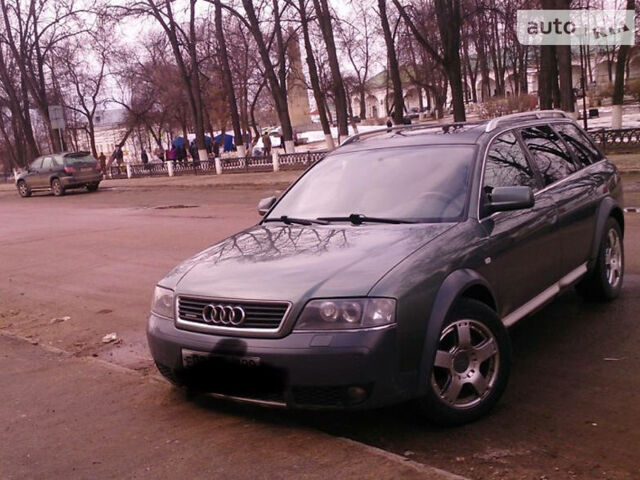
(178, 142)
(228, 142)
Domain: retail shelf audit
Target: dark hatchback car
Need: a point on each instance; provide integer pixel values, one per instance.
(392, 268)
(59, 172)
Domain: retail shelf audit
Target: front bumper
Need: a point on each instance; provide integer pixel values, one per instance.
(349, 369)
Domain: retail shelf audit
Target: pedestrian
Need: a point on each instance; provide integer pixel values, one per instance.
(171, 154)
(266, 142)
(181, 154)
(193, 151)
(119, 155)
(389, 124)
(215, 148)
(159, 154)
(144, 158)
(103, 161)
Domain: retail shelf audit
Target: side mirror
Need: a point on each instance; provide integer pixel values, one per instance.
(265, 204)
(502, 199)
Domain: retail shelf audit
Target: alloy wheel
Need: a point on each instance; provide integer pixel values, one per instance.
(613, 258)
(466, 364)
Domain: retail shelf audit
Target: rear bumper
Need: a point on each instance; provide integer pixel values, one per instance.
(76, 181)
(356, 369)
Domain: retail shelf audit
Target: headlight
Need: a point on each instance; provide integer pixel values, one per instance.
(162, 303)
(340, 313)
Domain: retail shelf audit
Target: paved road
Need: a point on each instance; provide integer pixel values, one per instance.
(569, 411)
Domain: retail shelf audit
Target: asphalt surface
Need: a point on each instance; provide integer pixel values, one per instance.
(82, 266)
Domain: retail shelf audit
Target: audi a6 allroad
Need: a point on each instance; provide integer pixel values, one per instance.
(392, 269)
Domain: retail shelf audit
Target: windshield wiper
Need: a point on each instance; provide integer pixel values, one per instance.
(298, 221)
(358, 219)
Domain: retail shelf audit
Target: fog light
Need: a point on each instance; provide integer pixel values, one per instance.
(356, 394)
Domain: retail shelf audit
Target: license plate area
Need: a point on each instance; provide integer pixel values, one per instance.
(235, 375)
(192, 358)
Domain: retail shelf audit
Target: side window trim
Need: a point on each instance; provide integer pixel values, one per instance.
(576, 160)
(532, 160)
(532, 164)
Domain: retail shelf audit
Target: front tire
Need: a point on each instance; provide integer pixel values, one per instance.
(56, 187)
(471, 366)
(605, 281)
(23, 189)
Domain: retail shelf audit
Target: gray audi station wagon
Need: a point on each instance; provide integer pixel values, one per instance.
(391, 270)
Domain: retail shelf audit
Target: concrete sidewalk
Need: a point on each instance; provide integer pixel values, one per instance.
(67, 417)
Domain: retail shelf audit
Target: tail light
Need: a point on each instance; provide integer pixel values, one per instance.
(69, 170)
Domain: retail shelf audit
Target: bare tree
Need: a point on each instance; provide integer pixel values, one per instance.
(278, 90)
(448, 17)
(323, 15)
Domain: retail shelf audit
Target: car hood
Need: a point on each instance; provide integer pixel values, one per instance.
(282, 262)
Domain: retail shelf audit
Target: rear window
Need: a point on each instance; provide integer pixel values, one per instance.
(80, 160)
(579, 144)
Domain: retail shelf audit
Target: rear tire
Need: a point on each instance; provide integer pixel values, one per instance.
(56, 187)
(471, 366)
(604, 282)
(23, 189)
(92, 187)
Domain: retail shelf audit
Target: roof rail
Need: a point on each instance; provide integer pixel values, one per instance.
(398, 128)
(495, 122)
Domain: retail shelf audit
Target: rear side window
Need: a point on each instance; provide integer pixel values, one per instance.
(506, 164)
(549, 153)
(37, 163)
(579, 144)
(78, 161)
(47, 163)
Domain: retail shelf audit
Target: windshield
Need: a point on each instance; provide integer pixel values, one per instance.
(428, 183)
(79, 160)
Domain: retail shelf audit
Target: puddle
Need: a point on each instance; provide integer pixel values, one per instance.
(167, 207)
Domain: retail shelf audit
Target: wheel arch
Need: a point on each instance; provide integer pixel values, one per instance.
(608, 208)
(463, 283)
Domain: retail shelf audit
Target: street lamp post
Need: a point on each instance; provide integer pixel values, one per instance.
(583, 86)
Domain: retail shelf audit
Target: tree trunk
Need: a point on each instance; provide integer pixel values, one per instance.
(340, 97)
(394, 69)
(563, 53)
(279, 95)
(228, 81)
(618, 87)
(314, 78)
(449, 24)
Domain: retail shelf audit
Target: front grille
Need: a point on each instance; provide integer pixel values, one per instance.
(261, 316)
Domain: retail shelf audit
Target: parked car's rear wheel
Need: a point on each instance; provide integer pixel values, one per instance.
(56, 187)
(605, 281)
(471, 366)
(23, 189)
(92, 187)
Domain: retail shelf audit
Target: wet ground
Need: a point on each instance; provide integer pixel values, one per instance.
(77, 268)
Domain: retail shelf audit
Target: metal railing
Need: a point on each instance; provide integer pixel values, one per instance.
(618, 139)
(262, 163)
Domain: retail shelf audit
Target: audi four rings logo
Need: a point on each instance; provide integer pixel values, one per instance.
(223, 315)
